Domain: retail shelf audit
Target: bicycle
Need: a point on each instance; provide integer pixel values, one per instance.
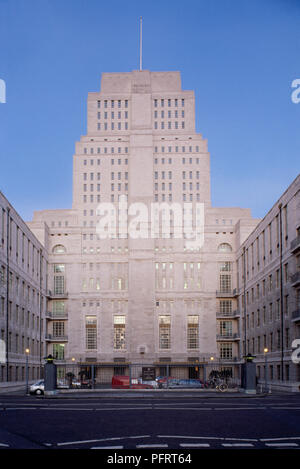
(219, 385)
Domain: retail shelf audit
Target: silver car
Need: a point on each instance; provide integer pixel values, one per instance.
(37, 388)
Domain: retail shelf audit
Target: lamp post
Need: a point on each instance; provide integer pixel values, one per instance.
(27, 351)
(266, 350)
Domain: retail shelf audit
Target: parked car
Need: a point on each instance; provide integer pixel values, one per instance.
(122, 382)
(164, 382)
(37, 388)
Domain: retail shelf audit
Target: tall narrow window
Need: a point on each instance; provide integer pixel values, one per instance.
(91, 332)
(119, 332)
(164, 332)
(193, 332)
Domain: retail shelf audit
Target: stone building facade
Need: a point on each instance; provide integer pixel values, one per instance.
(23, 278)
(150, 298)
(269, 290)
(129, 290)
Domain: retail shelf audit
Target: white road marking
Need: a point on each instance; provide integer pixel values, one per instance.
(237, 445)
(239, 408)
(286, 408)
(281, 438)
(281, 445)
(183, 408)
(83, 442)
(194, 445)
(152, 446)
(240, 439)
(5, 445)
(190, 437)
(107, 447)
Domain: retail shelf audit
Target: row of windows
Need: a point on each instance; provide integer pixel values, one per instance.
(184, 161)
(119, 332)
(169, 115)
(97, 176)
(112, 126)
(18, 344)
(268, 313)
(26, 254)
(19, 288)
(112, 103)
(267, 285)
(169, 197)
(169, 102)
(119, 150)
(185, 174)
(271, 341)
(170, 149)
(169, 186)
(19, 316)
(118, 161)
(104, 150)
(168, 125)
(266, 244)
(112, 115)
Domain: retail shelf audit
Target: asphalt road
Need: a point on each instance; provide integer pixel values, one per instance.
(175, 422)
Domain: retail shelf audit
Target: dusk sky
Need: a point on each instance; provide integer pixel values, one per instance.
(239, 56)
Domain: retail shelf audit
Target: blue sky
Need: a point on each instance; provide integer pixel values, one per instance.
(239, 56)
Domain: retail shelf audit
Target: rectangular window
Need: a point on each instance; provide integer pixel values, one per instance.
(91, 332)
(58, 329)
(58, 351)
(164, 332)
(225, 306)
(225, 328)
(193, 332)
(119, 332)
(225, 283)
(59, 284)
(226, 350)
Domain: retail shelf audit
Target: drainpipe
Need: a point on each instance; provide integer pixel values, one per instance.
(281, 292)
(7, 290)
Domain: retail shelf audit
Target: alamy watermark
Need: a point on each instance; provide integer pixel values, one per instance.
(155, 220)
(2, 351)
(296, 353)
(2, 91)
(295, 96)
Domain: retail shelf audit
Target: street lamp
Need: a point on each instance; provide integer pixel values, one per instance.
(27, 351)
(266, 350)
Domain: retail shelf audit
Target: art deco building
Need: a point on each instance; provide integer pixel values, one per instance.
(148, 298)
(131, 291)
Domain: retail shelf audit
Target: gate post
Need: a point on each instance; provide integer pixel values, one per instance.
(249, 375)
(50, 377)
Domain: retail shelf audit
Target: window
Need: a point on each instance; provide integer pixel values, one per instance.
(58, 308)
(59, 249)
(225, 328)
(164, 332)
(119, 332)
(226, 350)
(59, 279)
(58, 351)
(91, 332)
(58, 329)
(193, 332)
(225, 283)
(224, 247)
(225, 307)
